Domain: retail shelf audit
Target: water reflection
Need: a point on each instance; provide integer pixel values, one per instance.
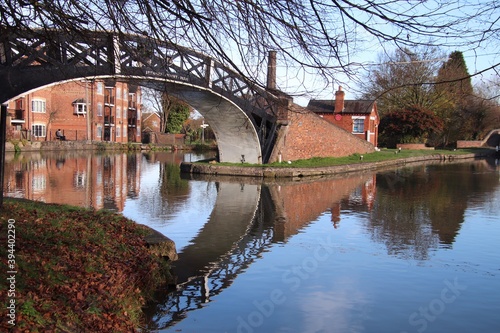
(74, 178)
(420, 208)
(246, 220)
(411, 211)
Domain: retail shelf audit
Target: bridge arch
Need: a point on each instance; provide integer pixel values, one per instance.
(242, 115)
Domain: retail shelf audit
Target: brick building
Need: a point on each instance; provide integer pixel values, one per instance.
(82, 110)
(360, 117)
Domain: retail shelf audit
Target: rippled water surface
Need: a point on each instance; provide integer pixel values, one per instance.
(413, 249)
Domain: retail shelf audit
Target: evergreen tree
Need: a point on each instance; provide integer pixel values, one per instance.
(179, 113)
(454, 78)
(460, 114)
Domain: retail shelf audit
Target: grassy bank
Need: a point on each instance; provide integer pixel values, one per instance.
(78, 270)
(382, 155)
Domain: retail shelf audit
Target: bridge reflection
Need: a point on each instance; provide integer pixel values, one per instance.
(248, 218)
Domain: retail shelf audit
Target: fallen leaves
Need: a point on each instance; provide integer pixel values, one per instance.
(78, 270)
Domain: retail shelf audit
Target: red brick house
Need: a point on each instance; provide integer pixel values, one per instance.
(360, 117)
(83, 110)
(151, 122)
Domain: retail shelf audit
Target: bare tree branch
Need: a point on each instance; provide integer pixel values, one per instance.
(321, 37)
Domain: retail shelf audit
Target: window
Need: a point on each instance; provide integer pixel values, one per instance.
(138, 130)
(19, 103)
(118, 132)
(80, 108)
(99, 110)
(99, 88)
(118, 92)
(39, 131)
(38, 105)
(358, 125)
(118, 112)
(99, 131)
(125, 94)
(109, 97)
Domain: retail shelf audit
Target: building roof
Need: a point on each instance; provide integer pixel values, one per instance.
(146, 115)
(350, 106)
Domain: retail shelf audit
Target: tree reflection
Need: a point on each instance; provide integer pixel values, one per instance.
(170, 189)
(172, 186)
(420, 208)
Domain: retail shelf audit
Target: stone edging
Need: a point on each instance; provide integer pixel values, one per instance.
(275, 172)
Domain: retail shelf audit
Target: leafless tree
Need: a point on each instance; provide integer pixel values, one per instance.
(404, 78)
(321, 37)
(159, 102)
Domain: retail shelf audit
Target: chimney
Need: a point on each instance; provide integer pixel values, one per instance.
(271, 71)
(339, 100)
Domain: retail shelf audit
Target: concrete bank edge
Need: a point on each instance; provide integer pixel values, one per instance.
(276, 172)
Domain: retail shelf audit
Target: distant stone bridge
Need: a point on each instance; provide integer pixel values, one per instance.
(243, 116)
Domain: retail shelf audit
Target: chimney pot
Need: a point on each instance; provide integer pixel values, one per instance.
(339, 100)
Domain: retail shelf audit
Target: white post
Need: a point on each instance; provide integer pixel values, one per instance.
(203, 126)
(116, 54)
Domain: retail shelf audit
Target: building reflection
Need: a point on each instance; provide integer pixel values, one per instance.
(301, 203)
(80, 179)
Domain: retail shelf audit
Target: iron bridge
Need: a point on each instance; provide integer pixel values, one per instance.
(243, 116)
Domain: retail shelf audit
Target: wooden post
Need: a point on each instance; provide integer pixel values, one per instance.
(3, 136)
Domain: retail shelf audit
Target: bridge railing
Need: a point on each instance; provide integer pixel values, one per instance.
(71, 55)
(126, 54)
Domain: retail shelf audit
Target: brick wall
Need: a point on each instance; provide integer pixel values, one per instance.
(308, 135)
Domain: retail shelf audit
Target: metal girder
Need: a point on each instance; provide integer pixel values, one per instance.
(32, 59)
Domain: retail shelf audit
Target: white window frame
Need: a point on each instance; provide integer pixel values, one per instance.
(38, 105)
(99, 131)
(355, 124)
(39, 129)
(80, 108)
(99, 109)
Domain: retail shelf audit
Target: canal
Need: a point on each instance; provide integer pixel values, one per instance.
(411, 249)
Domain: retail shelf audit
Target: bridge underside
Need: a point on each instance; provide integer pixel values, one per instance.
(236, 136)
(242, 115)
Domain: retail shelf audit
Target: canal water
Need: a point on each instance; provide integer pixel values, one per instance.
(411, 249)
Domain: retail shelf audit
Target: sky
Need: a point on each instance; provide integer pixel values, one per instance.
(476, 61)
(477, 57)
